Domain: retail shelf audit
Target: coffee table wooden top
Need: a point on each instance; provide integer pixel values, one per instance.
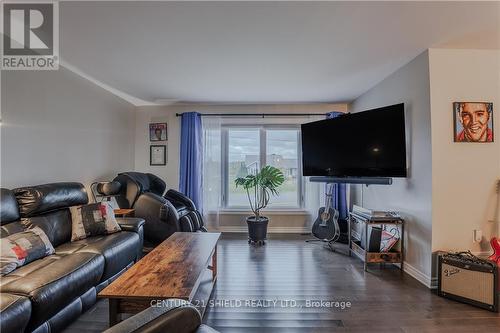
(171, 270)
(124, 211)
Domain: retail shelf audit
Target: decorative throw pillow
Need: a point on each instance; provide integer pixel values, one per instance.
(92, 220)
(23, 247)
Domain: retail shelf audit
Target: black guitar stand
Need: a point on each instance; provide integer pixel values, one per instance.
(329, 243)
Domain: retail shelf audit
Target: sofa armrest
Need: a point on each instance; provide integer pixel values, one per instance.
(130, 223)
(171, 315)
(133, 224)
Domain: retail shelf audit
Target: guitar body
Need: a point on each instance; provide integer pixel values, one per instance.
(495, 245)
(326, 226)
(495, 241)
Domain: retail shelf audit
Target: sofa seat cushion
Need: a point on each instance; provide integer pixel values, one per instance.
(54, 282)
(118, 249)
(15, 312)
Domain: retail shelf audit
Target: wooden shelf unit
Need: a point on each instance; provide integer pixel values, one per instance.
(355, 246)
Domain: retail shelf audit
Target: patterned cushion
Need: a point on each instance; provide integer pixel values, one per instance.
(22, 248)
(92, 220)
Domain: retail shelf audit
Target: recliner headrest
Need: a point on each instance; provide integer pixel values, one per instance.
(108, 188)
(147, 182)
(33, 200)
(133, 184)
(9, 210)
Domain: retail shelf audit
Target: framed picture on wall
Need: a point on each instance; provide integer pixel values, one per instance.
(473, 121)
(157, 155)
(158, 132)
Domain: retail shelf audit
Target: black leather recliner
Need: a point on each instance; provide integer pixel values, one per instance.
(190, 219)
(164, 213)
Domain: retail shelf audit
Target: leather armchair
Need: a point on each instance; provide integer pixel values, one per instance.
(164, 214)
(190, 219)
(161, 217)
(176, 315)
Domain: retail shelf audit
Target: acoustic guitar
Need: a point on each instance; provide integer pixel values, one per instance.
(326, 227)
(495, 241)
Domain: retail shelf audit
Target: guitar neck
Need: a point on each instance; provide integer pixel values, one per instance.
(328, 197)
(496, 218)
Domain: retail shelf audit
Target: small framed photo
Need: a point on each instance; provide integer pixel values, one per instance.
(157, 155)
(158, 132)
(473, 122)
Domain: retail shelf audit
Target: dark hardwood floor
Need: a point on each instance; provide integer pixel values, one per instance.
(293, 273)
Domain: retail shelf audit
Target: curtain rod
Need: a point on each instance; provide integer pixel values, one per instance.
(263, 115)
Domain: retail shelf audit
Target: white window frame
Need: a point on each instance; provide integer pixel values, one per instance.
(262, 160)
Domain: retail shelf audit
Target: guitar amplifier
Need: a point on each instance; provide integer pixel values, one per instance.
(466, 278)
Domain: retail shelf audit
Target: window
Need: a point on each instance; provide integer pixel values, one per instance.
(282, 153)
(243, 159)
(247, 149)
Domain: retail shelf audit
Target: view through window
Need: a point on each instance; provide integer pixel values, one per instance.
(248, 149)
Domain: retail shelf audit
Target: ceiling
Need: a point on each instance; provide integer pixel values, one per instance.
(261, 52)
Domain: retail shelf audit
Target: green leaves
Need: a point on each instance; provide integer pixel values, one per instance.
(270, 178)
(263, 183)
(247, 182)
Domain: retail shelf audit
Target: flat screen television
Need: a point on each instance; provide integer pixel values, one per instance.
(364, 144)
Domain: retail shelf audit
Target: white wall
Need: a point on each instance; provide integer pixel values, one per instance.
(149, 114)
(451, 188)
(57, 126)
(463, 174)
(410, 196)
(230, 221)
(158, 114)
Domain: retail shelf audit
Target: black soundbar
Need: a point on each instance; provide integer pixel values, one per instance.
(352, 180)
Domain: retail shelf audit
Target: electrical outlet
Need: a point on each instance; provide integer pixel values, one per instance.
(477, 235)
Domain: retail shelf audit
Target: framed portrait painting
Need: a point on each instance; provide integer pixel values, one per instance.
(158, 155)
(158, 132)
(473, 122)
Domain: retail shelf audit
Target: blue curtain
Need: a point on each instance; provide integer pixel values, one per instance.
(339, 197)
(190, 181)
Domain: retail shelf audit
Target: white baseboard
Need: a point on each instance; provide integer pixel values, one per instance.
(275, 230)
(425, 279)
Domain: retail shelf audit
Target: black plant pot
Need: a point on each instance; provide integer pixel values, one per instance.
(257, 229)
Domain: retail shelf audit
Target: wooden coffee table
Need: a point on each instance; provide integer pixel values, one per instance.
(123, 212)
(183, 266)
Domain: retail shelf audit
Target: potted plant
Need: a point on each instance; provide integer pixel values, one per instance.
(259, 188)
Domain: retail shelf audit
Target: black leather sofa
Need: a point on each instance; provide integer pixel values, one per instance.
(47, 294)
(165, 213)
(178, 316)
